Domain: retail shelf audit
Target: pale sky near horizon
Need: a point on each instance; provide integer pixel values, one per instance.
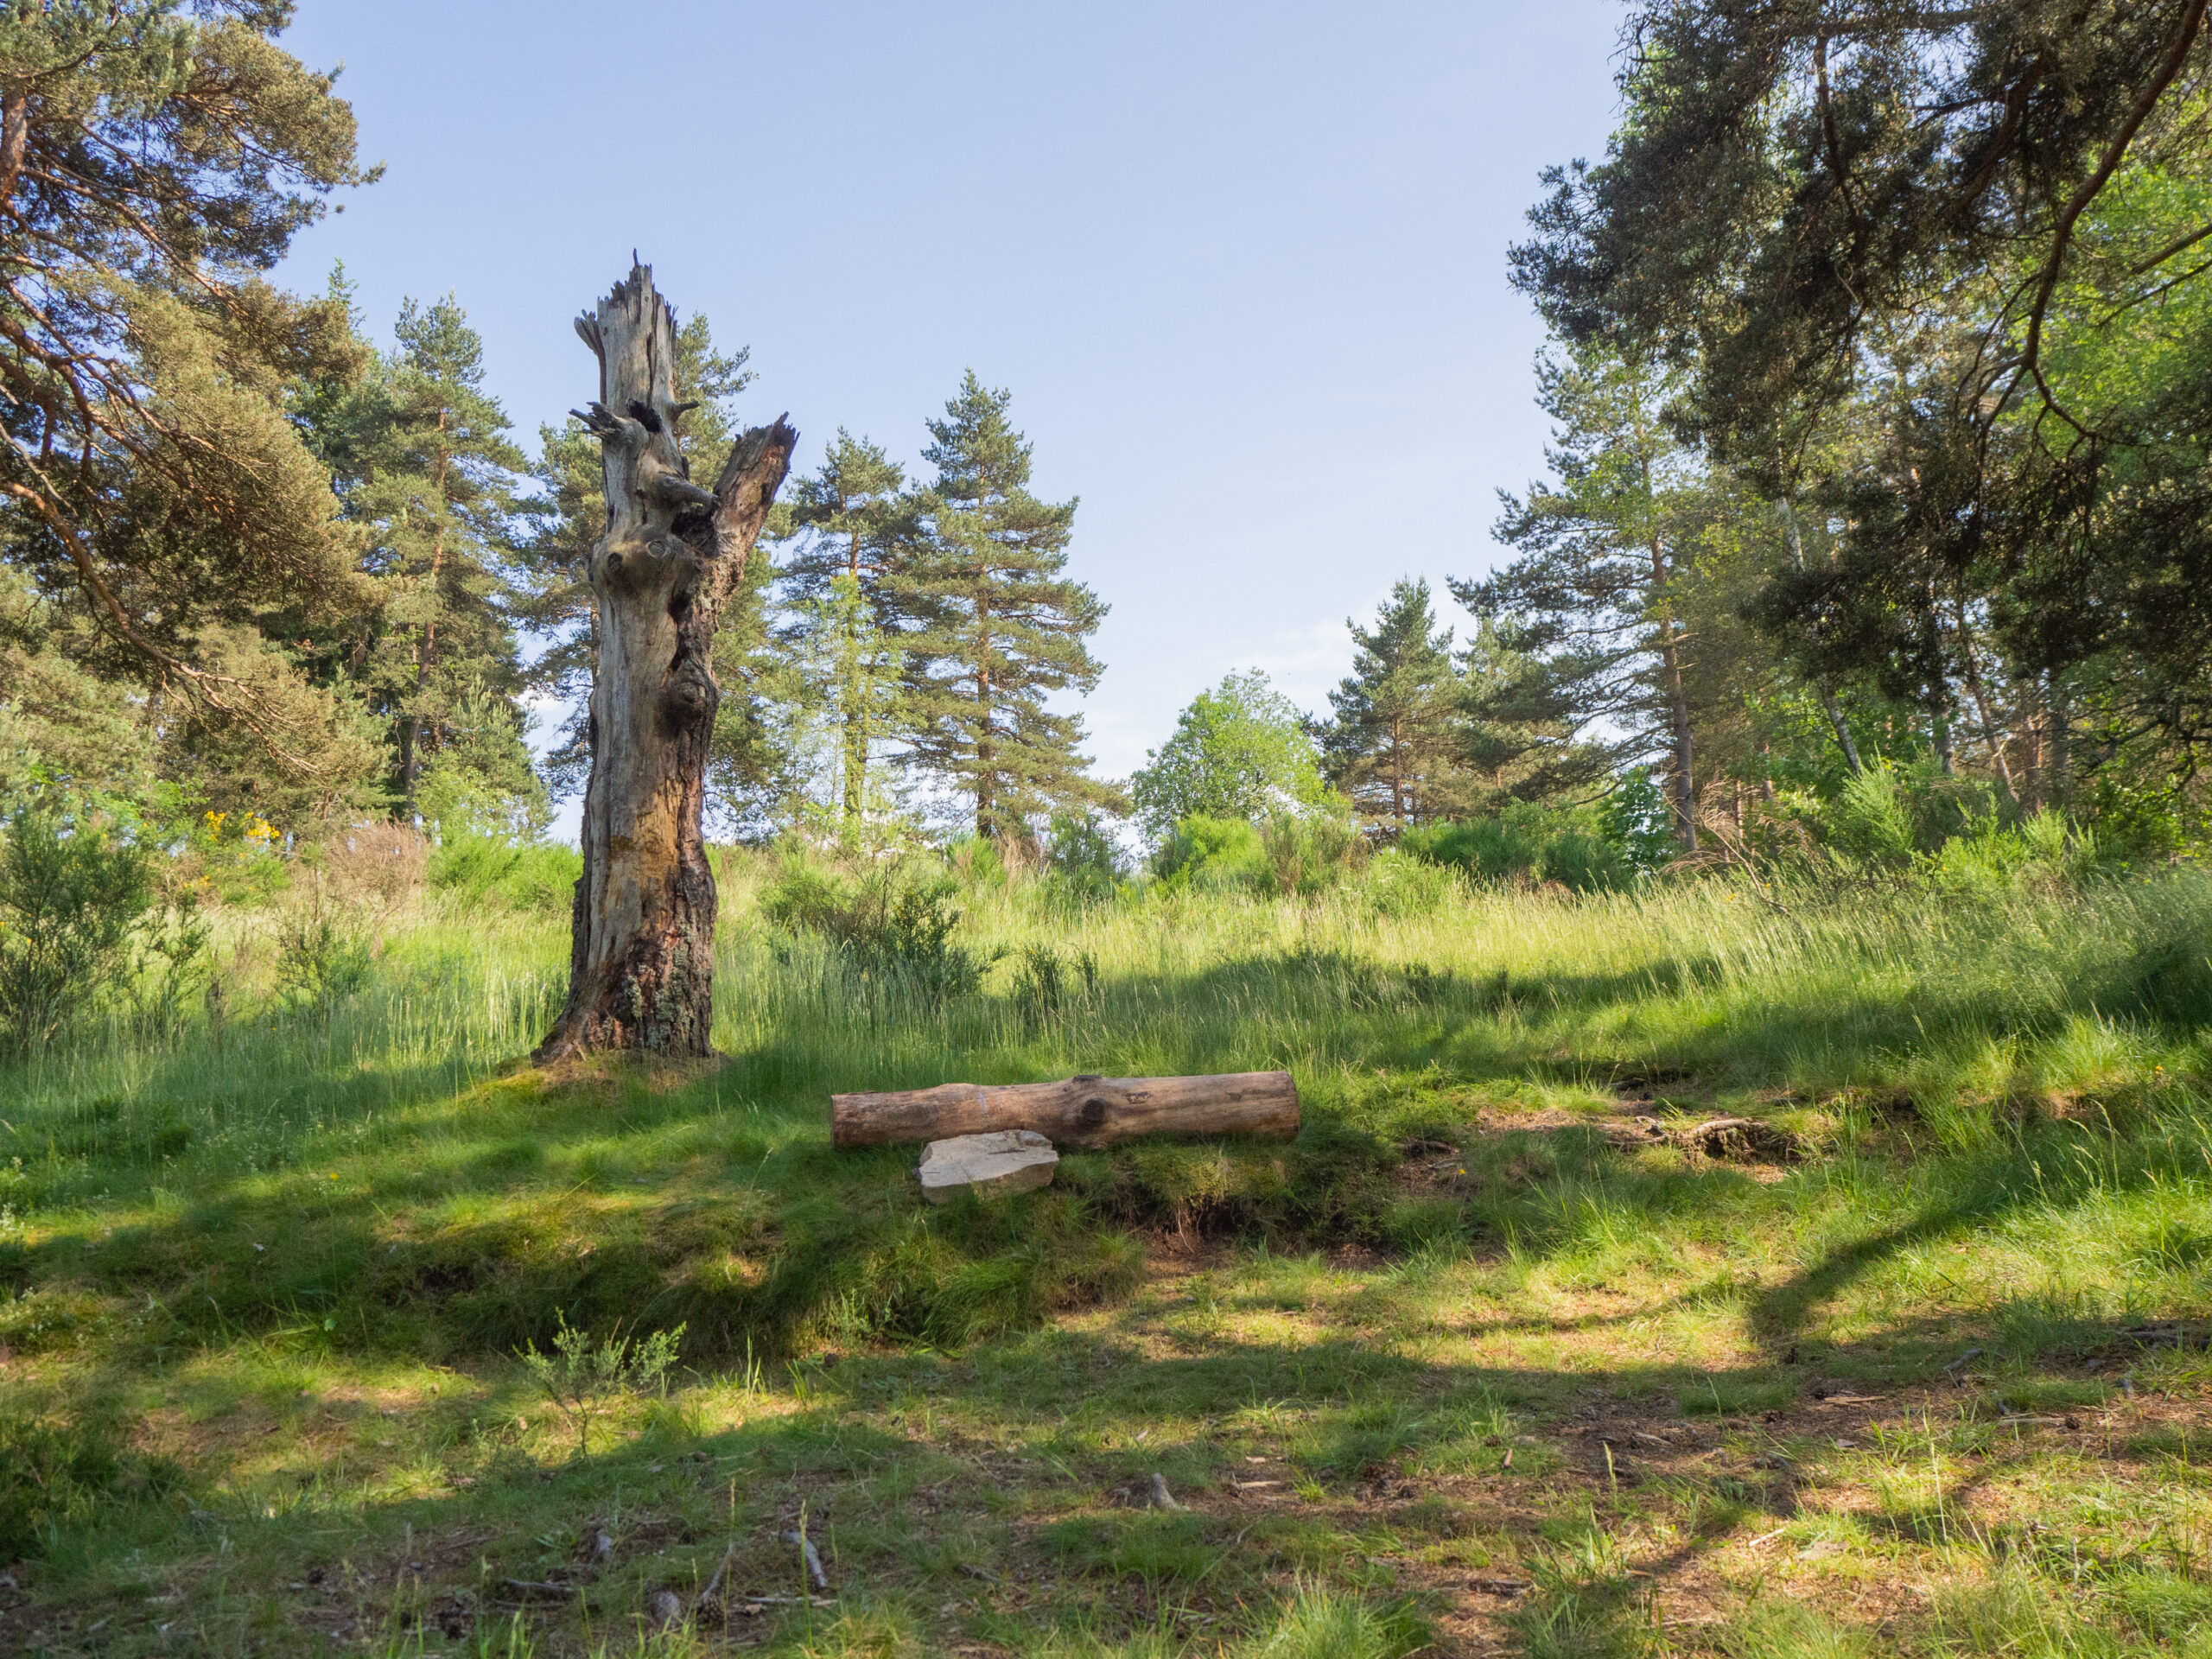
(1242, 265)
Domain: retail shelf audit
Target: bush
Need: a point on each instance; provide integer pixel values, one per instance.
(531, 875)
(1398, 884)
(1309, 851)
(322, 958)
(1212, 853)
(381, 863)
(1531, 844)
(1080, 857)
(71, 896)
(890, 934)
(172, 951)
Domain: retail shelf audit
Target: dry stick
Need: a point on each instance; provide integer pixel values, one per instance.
(536, 1587)
(813, 1561)
(715, 1583)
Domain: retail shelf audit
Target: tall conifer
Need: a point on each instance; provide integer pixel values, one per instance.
(437, 497)
(1393, 747)
(1593, 602)
(998, 626)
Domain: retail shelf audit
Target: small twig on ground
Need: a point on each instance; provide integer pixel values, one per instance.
(813, 1561)
(537, 1587)
(715, 1583)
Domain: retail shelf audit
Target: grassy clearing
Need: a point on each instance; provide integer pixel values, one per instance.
(1933, 1382)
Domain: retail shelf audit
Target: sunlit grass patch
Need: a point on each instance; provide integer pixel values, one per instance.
(1377, 1362)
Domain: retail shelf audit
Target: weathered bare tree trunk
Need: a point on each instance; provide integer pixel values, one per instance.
(641, 961)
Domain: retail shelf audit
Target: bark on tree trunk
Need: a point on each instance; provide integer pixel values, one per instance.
(641, 955)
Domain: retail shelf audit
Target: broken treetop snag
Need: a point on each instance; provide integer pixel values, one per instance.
(641, 951)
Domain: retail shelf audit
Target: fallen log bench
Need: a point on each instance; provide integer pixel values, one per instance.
(1084, 1111)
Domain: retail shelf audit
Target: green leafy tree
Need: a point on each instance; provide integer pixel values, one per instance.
(1395, 744)
(1935, 273)
(997, 627)
(1239, 751)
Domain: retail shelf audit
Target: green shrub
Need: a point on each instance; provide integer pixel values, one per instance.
(529, 875)
(323, 958)
(891, 933)
(1529, 843)
(1398, 884)
(71, 896)
(1081, 859)
(1211, 853)
(1307, 852)
(582, 1379)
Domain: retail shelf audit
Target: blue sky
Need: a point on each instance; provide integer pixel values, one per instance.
(1243, 266)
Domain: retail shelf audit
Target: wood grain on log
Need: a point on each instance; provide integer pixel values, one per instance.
(1084, 1111)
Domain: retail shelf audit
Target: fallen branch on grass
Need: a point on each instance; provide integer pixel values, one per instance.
(538, 1588)
(1084, 1111)
(813, 1561)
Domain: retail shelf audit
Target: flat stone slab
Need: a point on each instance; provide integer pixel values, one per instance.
(1009, 1161)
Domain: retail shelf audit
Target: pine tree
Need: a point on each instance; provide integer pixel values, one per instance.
(436, 500)
(998, 626)
(854, 523)
(1591, 604)
(155, 160)
(1392, 745)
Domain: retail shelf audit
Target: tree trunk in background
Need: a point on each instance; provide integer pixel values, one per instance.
(641, 959)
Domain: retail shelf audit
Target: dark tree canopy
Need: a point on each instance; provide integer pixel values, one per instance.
(1935, 273)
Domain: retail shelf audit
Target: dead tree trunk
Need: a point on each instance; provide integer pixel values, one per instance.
(641, 959)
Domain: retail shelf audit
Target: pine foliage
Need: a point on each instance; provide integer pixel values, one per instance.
(997, 627)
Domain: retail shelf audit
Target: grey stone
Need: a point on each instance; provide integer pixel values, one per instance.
(1011, 1160)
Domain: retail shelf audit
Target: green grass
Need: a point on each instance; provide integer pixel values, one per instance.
(262, 1292)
